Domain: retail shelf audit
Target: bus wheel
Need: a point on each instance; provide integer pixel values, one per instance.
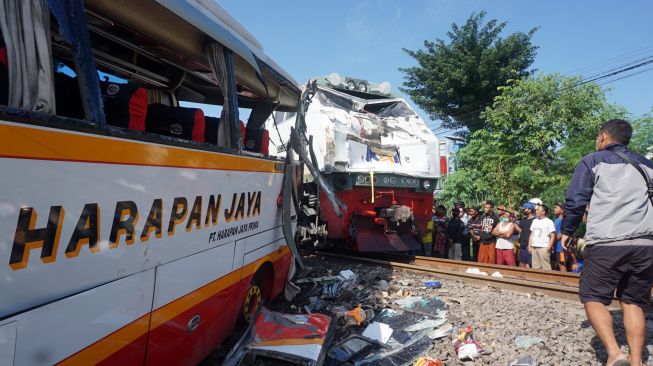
(251, 302)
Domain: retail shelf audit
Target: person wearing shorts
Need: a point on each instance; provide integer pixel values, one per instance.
(618, 257)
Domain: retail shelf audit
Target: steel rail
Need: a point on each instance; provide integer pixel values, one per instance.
(523, 284)
(527, 274)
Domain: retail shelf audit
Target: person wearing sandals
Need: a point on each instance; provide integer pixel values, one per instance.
(618, 257)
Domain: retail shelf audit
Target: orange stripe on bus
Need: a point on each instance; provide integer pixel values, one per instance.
(110, 344)
(47, 144)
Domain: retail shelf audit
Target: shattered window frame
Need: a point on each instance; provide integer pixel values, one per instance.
(335, 101)
(394, 109)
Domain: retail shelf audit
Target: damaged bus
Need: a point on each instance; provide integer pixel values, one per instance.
(134, 228)
(380, 159)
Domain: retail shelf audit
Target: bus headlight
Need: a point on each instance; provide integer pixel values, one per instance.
(426, 184)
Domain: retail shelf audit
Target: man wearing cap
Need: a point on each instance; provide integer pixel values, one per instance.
(524, 229)
(619, 237)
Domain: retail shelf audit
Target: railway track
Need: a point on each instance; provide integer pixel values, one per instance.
(556, 284)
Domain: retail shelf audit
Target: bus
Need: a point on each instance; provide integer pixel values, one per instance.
(134, 227)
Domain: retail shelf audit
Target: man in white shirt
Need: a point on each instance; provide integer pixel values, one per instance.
(543, 234)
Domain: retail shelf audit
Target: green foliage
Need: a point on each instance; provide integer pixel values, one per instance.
(642, 140)
(536, 132)
(455, 80)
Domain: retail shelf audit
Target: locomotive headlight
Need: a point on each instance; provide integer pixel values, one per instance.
(362, 87)
(426, 184)
(351, 85)
(360, 179)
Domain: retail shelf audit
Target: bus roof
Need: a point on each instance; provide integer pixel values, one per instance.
(183, 26)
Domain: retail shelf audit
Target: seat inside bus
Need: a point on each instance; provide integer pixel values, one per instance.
(180, 122)
(125, 105)
(211, 130)
(257, 140)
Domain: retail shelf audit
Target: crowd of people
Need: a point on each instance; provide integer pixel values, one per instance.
(527, 237)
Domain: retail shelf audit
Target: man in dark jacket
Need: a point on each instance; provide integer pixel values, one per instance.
(474, 226)
(619, 237)
(455, 235)
(487, 252)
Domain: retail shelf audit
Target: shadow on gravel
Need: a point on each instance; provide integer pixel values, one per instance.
(620, 334)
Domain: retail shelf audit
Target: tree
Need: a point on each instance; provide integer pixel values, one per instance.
(642, 140)
(455, 80)
(535, 133)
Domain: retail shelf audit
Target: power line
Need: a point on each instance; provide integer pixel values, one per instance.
(586, 80)
(612, 60)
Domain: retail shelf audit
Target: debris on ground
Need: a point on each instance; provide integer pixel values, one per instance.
(475, 271)
(527, 341)
(465, 345)
(513, 328)
(287, 338)
(428, 361)
(379, 332)
(523, 361)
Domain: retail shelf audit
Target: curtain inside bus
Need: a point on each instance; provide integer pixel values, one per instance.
(220, 60)
(25, 28)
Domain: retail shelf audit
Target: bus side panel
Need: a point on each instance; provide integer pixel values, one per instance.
(201, 285)
(60, 177)
(7, 343)
(89, 327)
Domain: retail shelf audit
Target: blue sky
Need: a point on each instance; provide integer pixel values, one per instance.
(365, 38)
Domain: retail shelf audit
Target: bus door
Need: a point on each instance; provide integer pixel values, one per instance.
(185, 325)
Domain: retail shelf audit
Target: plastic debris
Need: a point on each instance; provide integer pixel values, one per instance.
(524, 361)
(357, 313)
(475, 271)
(377, 331)
(347, 274)
(432, 284)
(441, 332)
(350, 349)
(426, 324)
(345, 279)
(428, 361)
(527, 341)
(432, 306)
(467, 348)
(280, 336)
(497, 274)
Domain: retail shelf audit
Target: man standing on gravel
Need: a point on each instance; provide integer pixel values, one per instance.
(474, 227)
(524, 229)
(560, 253)
(619, 237)
(487, 250)
(543, 235)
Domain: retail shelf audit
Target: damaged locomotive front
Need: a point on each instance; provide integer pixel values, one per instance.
(380, 158)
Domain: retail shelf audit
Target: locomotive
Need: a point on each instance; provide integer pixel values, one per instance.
(380, 158)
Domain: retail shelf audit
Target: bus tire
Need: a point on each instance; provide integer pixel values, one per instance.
(258, 291)
(251, 302)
